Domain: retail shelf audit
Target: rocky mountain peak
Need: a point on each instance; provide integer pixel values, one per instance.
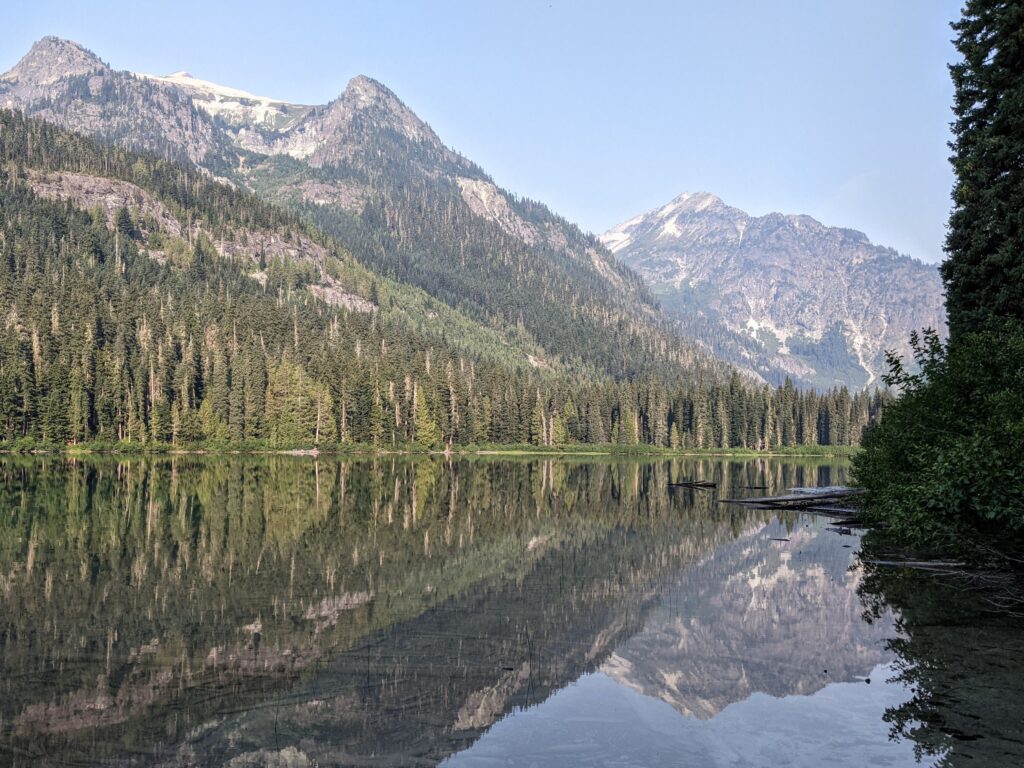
(821, 304)
(676, 220)
(63, 82)
(51, 59)
(364, 94)
(696, 201)
(364, 91)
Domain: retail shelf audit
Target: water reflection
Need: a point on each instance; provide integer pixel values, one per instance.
(252, 611)
(775, 611)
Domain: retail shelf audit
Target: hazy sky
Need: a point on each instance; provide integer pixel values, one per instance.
(835, 108)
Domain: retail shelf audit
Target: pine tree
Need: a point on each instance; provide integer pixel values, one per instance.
(984, 271)
(123, 223)
(428, 434)
(538, 424)
(558, 431)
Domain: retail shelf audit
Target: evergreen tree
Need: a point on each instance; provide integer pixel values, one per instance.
(984, 271)
(123, 223)
(428, 434)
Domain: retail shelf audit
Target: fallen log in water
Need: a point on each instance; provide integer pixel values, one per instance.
(828, 509)
(798, 500)
(829, 502)
(924, 565)
(693, 484)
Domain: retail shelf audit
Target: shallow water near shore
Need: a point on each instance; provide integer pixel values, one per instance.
(297, 611)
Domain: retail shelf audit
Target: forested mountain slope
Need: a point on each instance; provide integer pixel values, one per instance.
(369, 171)
(147, 303)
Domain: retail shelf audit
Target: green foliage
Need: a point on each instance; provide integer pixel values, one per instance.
(944, 464)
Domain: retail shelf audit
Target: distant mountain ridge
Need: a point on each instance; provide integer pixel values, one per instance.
(785, 295)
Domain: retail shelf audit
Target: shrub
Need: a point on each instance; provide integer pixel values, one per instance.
(945, 465)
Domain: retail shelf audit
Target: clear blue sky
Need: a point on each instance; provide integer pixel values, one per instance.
(838, 109)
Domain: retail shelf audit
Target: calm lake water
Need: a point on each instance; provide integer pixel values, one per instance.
(291, 612)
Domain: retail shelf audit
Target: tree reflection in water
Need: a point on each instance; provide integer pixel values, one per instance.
(962, 660)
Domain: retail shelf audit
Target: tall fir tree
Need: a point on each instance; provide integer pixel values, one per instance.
(984, 271)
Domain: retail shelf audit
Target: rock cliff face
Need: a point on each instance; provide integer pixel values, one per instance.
(332, 133)
(62, 82)
(784, 295)
(253, 244)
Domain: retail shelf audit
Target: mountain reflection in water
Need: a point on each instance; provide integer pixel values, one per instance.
(200, 611)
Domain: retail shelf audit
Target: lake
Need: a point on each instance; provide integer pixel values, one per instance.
(293, 611)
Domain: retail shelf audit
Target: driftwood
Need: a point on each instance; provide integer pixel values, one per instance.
(828, 502)
(924, 565)
(800, 500)
(693, 484)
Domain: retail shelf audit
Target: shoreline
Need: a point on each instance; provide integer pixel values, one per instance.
(583, 450)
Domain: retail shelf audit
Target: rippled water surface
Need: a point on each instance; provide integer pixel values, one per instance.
(292, 611)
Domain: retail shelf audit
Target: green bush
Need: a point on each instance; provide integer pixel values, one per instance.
(944, 468)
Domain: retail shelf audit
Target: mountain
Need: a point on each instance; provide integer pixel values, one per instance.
(354, 281)
(370, 172)
(64, 83)
(145, 302)
(784, 295)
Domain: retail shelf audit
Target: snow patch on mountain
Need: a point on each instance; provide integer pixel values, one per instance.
(670, 229)
(233, 105)
(615, 241)
(618, 238)
(186, 80)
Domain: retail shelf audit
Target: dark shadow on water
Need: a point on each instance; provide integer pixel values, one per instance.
(962, 660)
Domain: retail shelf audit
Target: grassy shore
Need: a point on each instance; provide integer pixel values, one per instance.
(258, 448)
